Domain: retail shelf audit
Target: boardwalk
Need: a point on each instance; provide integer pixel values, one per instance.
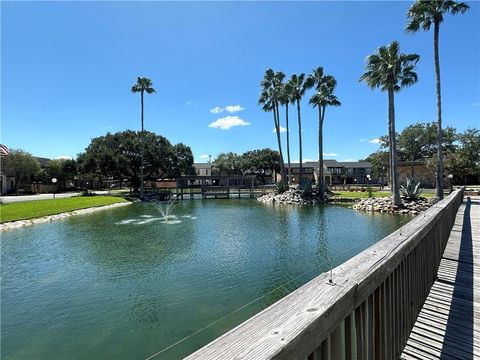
(448, 326)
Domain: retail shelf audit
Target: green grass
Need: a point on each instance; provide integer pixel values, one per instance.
(34, 209)
(360, 194)
(364, 194)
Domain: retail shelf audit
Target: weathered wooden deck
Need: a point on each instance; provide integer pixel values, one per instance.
(448, 326)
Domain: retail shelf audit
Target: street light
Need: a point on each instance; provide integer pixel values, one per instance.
(54, 181)
(450, 177)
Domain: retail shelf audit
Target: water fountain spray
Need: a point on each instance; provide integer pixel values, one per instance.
(165, 208)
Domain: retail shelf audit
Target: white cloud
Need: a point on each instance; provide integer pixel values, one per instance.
(349, 160)
(203, 156)
(216, 110)
(363, 140)
(330, 154)
(375, 141)
(476, 104)
(228, 122)
(196, 102)
(234, 108)
(282, 129)
(64, 157)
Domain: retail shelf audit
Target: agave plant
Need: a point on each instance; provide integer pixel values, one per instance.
(306, 187)
(280, 187)
(411, 189)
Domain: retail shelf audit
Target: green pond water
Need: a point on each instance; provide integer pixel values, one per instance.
(122, 284)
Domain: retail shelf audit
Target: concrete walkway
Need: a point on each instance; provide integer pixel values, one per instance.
(448, 326)
(11, 199)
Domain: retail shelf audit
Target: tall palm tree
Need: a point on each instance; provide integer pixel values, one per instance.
(298, 87)
(143, 85)
(390, 70)
(269, 98)
(285, 100)
(422, 14)
(325, 87)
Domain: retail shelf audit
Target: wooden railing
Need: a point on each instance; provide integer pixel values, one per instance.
(367, 309)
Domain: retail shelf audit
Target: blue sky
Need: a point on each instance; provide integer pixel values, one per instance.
(67, 69)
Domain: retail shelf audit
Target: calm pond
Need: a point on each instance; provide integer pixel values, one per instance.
(123, 284)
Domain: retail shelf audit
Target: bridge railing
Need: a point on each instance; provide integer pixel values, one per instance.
(365, 311)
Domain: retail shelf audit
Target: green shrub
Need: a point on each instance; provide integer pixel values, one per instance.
(370, 191)
(280, 187)
(86, 192)
(306, 187)
(411, 189)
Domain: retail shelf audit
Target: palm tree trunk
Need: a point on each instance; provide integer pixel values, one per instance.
(288, 146)
(393, 149)
(321, 188)
(439, 179)
(300, 141)
(279, 140)
(143, 149)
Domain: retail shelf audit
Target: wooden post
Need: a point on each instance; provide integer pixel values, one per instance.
(176, 188)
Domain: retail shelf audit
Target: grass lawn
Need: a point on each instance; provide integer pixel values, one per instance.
(34, 209)
(359, 194)
(364, 194)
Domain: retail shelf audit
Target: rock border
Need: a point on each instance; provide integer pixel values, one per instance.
(292, 196)
(385, 205)
(12, 225)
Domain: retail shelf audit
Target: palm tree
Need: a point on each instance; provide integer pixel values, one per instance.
(324, 86)
(285, 99)
(298, 87)
(422, 14)
(390, 70)
(143, 85)
(269, 98)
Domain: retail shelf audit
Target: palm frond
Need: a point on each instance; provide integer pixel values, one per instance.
(423, 13)
(389, 68)
(143, 84)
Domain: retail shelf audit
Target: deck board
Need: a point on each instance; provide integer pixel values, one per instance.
(448, 326)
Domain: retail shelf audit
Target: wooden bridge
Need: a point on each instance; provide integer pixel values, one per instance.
(448, 325)
(215, 186)
(412, 295)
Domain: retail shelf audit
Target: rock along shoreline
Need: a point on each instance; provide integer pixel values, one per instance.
(292, 196)
(385, 205)
(22, 223)
(375, 204)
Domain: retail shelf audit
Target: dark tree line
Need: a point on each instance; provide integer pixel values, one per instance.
(418, 142)
(119, 157)
(260, 163)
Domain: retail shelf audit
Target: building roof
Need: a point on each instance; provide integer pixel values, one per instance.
(355, 164)
(331, 163)
(314, 164)
(305, 165)
(202, 165)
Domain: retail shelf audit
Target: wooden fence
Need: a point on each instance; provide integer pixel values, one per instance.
(365, 311)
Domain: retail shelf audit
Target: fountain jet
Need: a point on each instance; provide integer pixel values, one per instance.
(165, 208)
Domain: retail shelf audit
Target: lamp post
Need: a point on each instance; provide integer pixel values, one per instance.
(450, 177)
(54, 181)
(384, 176)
